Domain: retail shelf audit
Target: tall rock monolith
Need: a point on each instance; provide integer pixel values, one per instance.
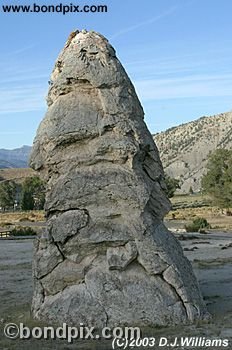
(106, 257)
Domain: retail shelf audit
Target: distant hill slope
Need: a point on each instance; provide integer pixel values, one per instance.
(16, 158)
(184, 149)
(18, 175)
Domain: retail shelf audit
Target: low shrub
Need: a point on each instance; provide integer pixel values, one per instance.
(24, 219)
(198, 225)
(5, 224)
(23, 231)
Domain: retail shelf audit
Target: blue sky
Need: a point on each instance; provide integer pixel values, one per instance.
(178, 54)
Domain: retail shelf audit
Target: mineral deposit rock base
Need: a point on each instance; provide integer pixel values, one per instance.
(106, 258)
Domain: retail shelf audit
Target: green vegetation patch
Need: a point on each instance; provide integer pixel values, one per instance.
(198, 225)
(23, 231)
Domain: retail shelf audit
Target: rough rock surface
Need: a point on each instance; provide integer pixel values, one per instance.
(106, 257)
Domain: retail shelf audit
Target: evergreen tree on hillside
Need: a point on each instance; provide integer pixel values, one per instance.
(27, 200)
(218, 180)
(191, 190)
(171, 185)
(33, 194)
(7, 194)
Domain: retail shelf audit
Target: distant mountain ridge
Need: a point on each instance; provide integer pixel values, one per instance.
(184, 149)
(16, 158)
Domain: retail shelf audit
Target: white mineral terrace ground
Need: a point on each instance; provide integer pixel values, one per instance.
(210, 255)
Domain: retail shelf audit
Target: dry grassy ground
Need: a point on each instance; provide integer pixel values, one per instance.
(187, 208)
(12, 218)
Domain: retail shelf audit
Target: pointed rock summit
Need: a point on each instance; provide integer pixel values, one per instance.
(106, 257)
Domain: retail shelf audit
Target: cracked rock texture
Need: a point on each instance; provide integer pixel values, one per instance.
(106, 257)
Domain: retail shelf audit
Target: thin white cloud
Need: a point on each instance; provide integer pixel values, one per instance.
(11, 133)
(189, 79)
(22, 99)
(17, 51)
(144, 23)
(23, 87)
(23, 108)
(24, 78)
(176, 66)
(179, 65)
(186, 87)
